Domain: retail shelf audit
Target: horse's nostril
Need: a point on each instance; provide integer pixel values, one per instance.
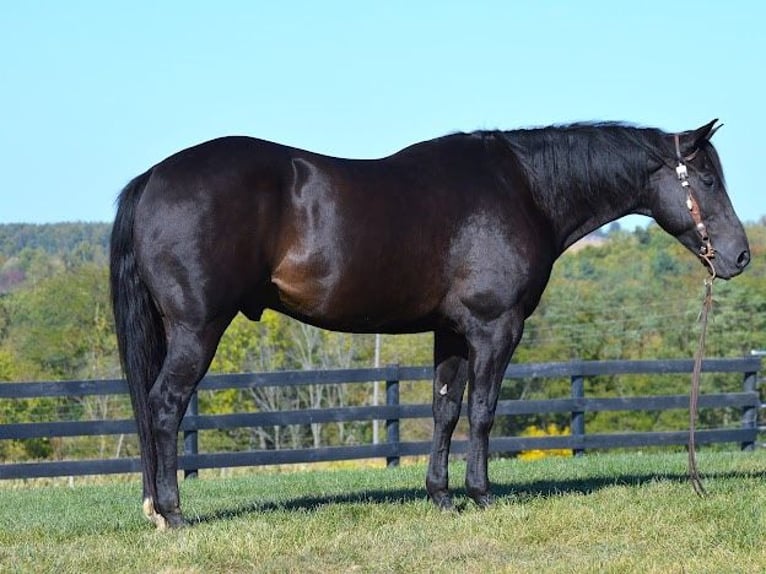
(743, 259)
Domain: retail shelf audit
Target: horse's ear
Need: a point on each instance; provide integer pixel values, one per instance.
(693, 140)
(706, 132)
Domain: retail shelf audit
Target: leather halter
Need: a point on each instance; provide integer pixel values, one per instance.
(706, 249)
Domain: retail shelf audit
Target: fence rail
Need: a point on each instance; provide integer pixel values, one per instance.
(748, 401)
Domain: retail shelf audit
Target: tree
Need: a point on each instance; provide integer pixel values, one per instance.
(62, 328)
(64, 324)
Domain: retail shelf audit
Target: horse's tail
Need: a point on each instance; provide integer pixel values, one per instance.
(140, 332)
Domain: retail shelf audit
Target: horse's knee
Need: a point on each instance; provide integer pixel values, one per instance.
(481, 420)
(446, 412)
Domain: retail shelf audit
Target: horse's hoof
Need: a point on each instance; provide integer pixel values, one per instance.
(483, 500)
(177, 521)
(151, 514)
(172, 521)
(442, 501)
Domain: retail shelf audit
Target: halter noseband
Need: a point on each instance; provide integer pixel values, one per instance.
(706, 250)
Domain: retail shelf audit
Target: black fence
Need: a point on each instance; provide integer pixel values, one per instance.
(392, 412)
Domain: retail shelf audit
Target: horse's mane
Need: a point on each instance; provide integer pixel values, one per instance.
(585, 159)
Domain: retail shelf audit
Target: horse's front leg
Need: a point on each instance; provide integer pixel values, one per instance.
(491, 348)
(450, 376)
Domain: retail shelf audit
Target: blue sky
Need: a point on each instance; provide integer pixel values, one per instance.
(94, 93)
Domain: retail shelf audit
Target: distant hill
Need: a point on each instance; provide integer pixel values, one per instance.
(52, 238)
(595, 239)
(30, 252)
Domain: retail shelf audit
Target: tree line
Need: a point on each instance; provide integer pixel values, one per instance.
(631, 295)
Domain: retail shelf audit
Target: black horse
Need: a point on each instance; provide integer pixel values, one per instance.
(455, 235)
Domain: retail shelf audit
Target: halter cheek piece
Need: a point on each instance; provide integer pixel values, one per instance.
(706, 249)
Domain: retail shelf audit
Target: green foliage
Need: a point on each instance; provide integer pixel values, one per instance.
(643, 303)
(58, 327)
(30, 253)
(631, 295)
(64, 325)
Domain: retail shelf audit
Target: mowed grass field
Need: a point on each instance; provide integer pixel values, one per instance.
(598, 513)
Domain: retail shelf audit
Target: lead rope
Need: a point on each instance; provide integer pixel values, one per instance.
(707, 305)
(707, 253)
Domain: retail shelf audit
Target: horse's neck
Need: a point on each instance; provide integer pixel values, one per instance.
(577, 194)
(581, 216)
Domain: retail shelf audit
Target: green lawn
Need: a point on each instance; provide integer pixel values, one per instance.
(600, 513)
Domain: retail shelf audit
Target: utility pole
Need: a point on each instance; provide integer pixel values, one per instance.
(375, 393)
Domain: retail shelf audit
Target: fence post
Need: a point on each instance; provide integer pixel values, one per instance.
(750, 412)
(577, 427)
(191, 439)
(392, 425)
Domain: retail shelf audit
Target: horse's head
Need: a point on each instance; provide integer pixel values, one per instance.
(690, 202)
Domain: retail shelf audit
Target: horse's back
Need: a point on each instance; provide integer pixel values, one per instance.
(359, 245)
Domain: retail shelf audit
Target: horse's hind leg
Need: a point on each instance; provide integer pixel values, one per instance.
(450, 376)
(189, 352)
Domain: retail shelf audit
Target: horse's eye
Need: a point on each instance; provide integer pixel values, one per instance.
(707, 179)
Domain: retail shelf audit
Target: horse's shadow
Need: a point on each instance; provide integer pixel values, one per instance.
(510, 492)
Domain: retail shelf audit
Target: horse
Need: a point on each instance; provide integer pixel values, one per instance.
(455, 235)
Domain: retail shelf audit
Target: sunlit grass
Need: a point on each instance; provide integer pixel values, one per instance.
(608, 513)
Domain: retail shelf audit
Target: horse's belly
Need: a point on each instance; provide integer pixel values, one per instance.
(361, 301)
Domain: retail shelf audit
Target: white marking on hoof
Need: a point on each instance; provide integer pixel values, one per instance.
(153, 516)
(443, 390)
(148, 508)
(161, 522)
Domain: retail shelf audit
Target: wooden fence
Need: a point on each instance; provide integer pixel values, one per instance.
(577, 405)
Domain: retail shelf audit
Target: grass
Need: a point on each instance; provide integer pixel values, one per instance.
(600, 513)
